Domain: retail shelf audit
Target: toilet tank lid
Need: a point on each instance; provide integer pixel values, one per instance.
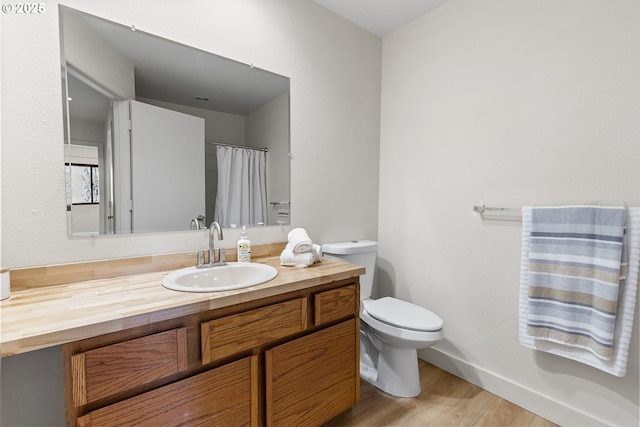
(351, 247)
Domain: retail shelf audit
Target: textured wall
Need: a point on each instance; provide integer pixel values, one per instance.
(335, 102)
(334, 68)
(509, 103)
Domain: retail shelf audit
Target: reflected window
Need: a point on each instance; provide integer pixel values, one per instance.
(83, 184)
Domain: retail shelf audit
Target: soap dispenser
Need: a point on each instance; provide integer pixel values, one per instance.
(244, 247)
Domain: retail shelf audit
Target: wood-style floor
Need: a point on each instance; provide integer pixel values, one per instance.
(446, 400)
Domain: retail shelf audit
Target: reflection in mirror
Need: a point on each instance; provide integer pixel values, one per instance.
(158, 133)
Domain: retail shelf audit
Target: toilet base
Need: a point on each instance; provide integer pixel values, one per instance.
(392, 370)
(368, 373)
(389, 355)
(398, 372)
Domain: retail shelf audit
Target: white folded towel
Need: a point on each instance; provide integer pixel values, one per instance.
(299, 240)
(290, 259)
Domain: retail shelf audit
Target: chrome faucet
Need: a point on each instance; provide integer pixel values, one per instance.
(196, 224)
(212, 252)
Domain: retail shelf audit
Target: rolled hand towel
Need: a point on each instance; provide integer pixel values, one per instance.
(317, 252)
(289, 259)
(300, 241)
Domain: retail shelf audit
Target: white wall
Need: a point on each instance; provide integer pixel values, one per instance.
(95, 58)
(218, 126)
(334, 68)
(265, 129)
(508, 103)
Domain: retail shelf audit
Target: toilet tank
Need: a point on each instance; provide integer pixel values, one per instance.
(361, 252)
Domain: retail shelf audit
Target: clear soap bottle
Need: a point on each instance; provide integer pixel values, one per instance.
(244, 247)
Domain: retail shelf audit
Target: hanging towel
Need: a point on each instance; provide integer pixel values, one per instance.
(574, 275)
(625, 308)
(299, 240)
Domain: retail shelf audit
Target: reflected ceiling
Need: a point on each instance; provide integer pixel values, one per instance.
(227, 89)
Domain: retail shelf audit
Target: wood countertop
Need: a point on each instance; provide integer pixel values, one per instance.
(53, 315)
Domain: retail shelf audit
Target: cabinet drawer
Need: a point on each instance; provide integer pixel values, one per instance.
(243, 331)
(114, 368)
(225, 396)
(336, 304)
(314, 378)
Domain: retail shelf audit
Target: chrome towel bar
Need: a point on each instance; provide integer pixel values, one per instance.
(482, 209)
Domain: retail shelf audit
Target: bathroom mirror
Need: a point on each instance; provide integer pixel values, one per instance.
(145, 119)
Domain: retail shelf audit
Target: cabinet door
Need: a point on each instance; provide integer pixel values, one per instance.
(117, 367)
(243, 331)
(314, 378)
(225, 396)
(336, 304)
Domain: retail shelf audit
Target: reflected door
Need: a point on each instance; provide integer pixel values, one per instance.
(167, 168)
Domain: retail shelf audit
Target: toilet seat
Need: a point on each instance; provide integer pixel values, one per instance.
(401, 338)
(403, 314)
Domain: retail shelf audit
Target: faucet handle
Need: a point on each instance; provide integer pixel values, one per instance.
(222, 257)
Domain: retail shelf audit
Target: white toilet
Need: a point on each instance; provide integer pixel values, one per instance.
(391, 330)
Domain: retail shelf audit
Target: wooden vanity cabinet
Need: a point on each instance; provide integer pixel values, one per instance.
(336, 304)
(224, 396)
(314, 378)
(107, 370)
(291, 359)
(251, 329)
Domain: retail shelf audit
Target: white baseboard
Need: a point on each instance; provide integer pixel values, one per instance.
(541, 405)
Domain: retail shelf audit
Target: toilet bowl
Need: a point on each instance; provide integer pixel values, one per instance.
(391, 330)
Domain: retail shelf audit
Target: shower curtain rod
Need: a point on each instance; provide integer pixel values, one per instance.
(237, 146)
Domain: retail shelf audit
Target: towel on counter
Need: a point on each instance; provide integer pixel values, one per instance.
(567, 283)
(290, 259)
(300, 241)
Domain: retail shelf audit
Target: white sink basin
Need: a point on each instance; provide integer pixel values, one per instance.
(234, 275)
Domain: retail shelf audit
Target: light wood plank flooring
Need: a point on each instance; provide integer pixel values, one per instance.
(446, 400)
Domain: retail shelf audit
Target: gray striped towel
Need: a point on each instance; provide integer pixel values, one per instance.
(575, 268)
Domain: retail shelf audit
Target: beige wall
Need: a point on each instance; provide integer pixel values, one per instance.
(507, 103)
(334, 68)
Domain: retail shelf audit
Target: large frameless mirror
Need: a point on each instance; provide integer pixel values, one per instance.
(161, 136)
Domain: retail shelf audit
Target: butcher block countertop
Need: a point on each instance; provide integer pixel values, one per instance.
(45, 316)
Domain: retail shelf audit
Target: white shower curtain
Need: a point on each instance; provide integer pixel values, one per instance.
(242, 189)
